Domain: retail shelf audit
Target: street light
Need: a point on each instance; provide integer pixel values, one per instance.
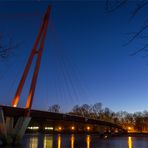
(88, 128)
(72, 128)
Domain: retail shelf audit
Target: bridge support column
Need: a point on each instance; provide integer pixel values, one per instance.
(3, 131)
(10, 133)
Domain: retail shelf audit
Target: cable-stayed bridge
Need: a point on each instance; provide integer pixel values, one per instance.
(15, 120)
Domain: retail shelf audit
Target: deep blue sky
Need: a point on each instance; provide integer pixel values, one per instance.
(84, 60)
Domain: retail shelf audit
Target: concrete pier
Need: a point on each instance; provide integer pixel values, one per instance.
(11, 133)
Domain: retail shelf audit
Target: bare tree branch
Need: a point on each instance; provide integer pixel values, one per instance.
(112, 5)
(140, 6)
(137, 34)
(139, 50)
(6, 49)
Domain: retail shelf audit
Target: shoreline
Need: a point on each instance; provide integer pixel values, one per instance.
(137, 134)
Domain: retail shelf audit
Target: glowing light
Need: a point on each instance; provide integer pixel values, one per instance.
(105, 137)
(59, 128)
(88, 141)
(130, 129)
(28, 100)
(72, 141)
(116, 130)
(73, 128)
(48, 128)
(33, 128)
(88, 128)
(15, 101)
(14, 105)
(130, 143)
(59, 141)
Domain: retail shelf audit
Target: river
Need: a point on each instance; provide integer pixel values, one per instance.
(80, 141)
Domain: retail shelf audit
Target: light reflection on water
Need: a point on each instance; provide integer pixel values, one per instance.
(33, 142)
(130, 142)
(48, 141)
(72, 140)
(88, 141)
(81, 141)
(59, 141)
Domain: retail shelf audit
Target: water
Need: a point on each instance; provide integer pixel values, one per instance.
(81, 141)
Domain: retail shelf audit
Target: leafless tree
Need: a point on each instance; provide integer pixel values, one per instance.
(7, 46)
(54, 108)
(113, 5)
(77, 110)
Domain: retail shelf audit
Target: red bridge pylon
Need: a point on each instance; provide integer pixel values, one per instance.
(37, 50)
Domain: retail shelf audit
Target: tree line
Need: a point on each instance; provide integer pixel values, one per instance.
(137, 121)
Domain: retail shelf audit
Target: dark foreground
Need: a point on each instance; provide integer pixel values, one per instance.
(80, 141)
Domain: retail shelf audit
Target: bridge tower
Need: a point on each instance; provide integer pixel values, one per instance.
(10, 133)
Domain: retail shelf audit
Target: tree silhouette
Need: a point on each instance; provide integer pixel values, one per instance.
(7, 46)
(113, 5)
(54, 108)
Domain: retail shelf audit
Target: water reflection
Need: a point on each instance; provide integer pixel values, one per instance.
(81, 141)
(33, 142)
(130, 143)
(72, 141)
(88, 139)
(59, 141)
(48, 141)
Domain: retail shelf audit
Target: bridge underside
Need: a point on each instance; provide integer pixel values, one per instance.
(42, 115)
(45, 115)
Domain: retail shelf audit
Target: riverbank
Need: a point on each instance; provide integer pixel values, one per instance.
(130, 135)
(137, 134)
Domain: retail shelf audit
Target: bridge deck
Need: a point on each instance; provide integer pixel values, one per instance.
(17, 112)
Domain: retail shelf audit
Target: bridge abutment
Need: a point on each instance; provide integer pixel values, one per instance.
(11, 133)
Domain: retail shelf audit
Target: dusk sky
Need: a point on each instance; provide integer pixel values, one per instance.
(84, 60)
